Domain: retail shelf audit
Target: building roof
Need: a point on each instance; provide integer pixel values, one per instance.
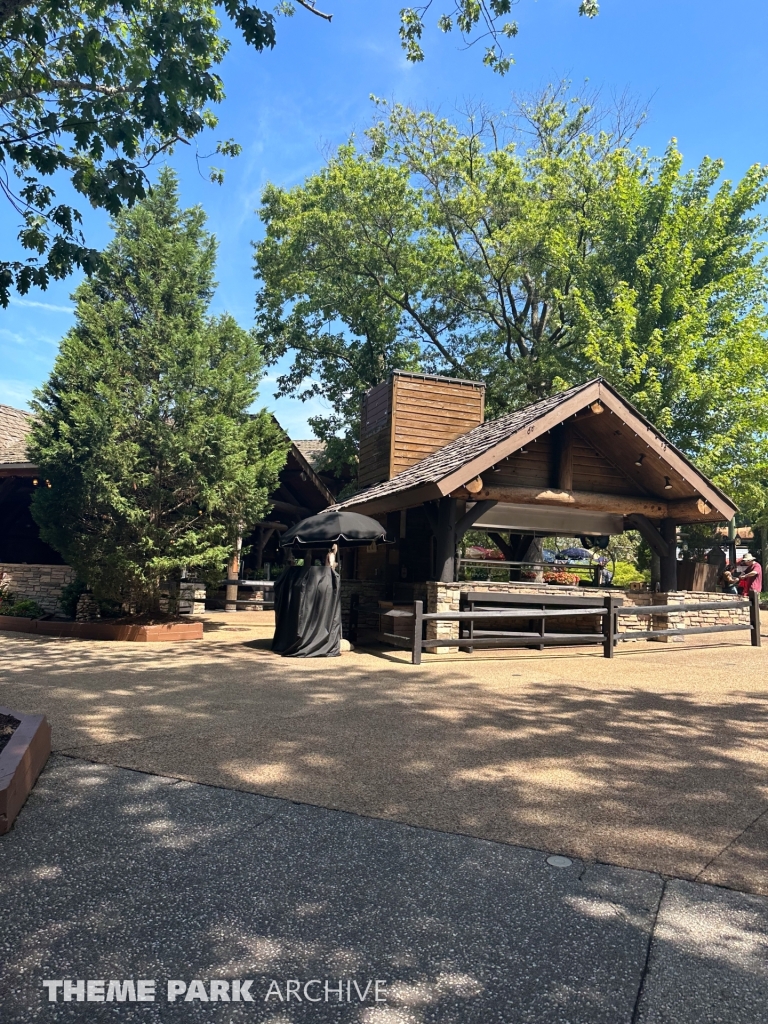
(455, 455)
(313, 451)
(459, 462)
(15, 425)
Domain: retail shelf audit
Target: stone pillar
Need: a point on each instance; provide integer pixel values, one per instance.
(669, 561)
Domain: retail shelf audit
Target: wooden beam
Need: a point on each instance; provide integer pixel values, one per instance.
(527, 433)
(562, 456)
(669, 561)
(445, 556)
(619, 504)
(693, 510)
(469, 518)
(659, 446)
(649, 533)
(506, 549)
(297, 510)
(430, 511)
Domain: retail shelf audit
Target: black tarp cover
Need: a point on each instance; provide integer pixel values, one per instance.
(308, 612)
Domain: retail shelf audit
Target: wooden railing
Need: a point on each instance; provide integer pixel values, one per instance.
(608, 610)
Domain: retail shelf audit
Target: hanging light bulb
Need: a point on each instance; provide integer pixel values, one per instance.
(667, 484)
(639, 460)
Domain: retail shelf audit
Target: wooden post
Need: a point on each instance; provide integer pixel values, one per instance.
(763, 553)
(354, 618)
(445, 556)
(610, 623)
(562, 457)
(418, 626)
(732, 541)
(754, 617)
(669, 561)
(233, 574)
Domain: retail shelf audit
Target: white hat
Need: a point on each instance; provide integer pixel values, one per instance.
(748, 557)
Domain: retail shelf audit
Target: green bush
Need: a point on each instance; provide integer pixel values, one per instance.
(70, 595)
(24, 609)
(627, 573)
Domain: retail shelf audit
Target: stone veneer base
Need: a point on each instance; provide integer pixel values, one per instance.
(21, 761)
(167, 632)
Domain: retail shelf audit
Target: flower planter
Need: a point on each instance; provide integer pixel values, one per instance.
(21, 761)
(166, 632)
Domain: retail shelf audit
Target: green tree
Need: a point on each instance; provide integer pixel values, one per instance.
(531, 261)
(143, 430)
(94, 90)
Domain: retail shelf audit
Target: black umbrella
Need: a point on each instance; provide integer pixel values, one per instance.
(346, 528)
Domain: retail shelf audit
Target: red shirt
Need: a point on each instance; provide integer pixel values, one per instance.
(754, 582)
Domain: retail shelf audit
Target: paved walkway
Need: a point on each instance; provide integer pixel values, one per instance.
(656, 760)
(113, 874)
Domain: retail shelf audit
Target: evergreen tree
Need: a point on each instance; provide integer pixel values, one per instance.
(143, 429)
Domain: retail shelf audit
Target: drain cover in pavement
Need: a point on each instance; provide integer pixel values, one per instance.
(559, 862)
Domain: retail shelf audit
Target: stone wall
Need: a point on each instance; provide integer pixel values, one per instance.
(446, 597)
(369, 592)
(41, 583)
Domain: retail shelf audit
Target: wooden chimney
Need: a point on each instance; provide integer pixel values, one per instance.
(410, 416)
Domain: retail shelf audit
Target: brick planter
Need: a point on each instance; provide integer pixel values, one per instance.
(167, 632)
(21, 761)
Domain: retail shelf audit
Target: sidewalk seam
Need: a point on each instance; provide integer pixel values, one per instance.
(644, 973)
(728, 845)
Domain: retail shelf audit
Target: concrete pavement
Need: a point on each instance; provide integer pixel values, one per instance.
(114, 874)
(656, 760)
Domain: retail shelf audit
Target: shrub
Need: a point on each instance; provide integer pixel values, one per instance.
(626, 573)
(70, 595)
(24, 609)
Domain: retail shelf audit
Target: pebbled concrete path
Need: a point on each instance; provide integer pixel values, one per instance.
(114, 874)
(656, 760)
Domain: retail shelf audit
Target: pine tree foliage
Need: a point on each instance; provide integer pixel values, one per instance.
(143, 429)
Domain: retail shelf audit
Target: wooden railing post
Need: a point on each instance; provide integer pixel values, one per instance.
(418, 626)
(754, 616)
(609, 626)
(354, 617)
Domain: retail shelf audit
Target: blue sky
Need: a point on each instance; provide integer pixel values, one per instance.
(699, 64)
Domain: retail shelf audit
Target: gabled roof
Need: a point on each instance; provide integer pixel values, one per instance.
(15, 425)
(313, 451)
(459, 462)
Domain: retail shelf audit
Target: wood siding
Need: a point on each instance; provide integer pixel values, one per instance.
(427, 414)
(536, 468)
(375, 432)
(409, 417)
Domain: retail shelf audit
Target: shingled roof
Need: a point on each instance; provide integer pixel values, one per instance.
(453, 456)
(313, 451)
(15, 425)
(472, 453)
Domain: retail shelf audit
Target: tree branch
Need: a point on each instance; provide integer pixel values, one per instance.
(308, 5)
(73, 85)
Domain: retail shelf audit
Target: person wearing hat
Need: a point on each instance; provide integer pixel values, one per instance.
(752, 579)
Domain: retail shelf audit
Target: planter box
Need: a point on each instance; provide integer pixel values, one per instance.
(166, 632)
(21, 761)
